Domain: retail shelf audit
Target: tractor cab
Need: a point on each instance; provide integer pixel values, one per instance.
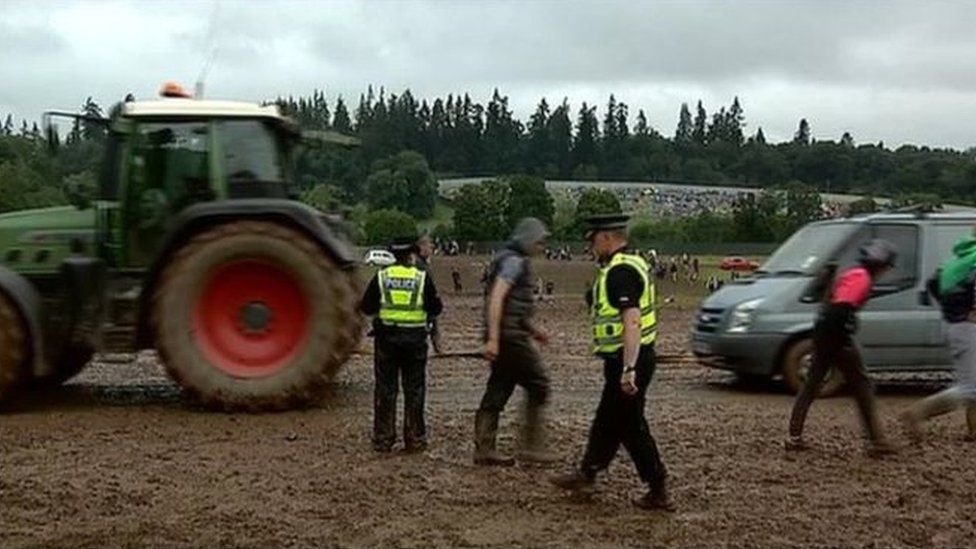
(163, 156)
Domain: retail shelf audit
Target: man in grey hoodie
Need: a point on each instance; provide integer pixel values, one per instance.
(509, 347)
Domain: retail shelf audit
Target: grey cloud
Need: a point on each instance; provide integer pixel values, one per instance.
(873, 63)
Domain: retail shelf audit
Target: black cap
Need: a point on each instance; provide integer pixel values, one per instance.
(402, 244)
(605, 222)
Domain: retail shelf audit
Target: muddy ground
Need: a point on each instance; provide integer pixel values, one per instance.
(116, 459)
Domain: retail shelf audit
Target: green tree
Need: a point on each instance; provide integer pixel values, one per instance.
(803, 205)
(594, 201)
(528, 197)
(561, 139)
(323, 197)
(802, 135)
(683, 133)
(480, 211)
(864, 205)
(403, 182)
(699, 129)
(341, 122)
(382, 226)
(585, 151)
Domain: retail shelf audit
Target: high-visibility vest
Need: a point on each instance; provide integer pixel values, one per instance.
(607, 323)
(402, 296)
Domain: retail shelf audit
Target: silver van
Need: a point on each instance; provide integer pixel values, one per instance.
(760, 326)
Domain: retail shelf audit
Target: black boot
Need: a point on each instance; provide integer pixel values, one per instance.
(576, 482)
(656, 499)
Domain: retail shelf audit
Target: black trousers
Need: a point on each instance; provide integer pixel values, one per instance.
(835, 349)
(399, 358)
(518, 364)
(620, 421)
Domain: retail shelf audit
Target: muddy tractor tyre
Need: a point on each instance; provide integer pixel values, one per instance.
(14, 348)
(796, 363)
(253, 315)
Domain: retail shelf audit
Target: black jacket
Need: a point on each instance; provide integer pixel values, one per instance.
(957, 304)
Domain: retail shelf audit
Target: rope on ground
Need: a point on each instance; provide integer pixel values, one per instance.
(668, 358)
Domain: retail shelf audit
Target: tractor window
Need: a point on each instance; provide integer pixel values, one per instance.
(174, 159)
(253, 159)
(110, 168)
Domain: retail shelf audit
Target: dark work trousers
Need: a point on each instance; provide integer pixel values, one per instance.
(399, 357)
(518, 363)
(620, 420)
(837, 350)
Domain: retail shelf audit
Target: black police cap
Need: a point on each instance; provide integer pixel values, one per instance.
(403, 244)
(606, 222)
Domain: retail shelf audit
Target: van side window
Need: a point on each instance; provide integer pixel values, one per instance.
(905, 239)
(946, 237)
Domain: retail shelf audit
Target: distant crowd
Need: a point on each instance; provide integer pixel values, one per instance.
(682, 268)
(687, 201)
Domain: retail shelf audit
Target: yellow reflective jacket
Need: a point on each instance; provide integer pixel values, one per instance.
(402, 296)
(607, 323)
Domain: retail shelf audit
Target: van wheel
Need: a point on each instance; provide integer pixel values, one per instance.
(796, 365)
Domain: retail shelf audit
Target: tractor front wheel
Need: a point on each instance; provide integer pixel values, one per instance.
(14, 347)
(253, 315)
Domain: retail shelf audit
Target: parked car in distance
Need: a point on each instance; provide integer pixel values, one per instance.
(736, 263)
(379, 258)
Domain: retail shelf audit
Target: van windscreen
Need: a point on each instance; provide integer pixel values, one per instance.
(805, 251)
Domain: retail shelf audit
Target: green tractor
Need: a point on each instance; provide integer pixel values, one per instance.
(195, 246)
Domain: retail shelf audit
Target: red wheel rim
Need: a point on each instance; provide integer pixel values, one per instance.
(251, 319)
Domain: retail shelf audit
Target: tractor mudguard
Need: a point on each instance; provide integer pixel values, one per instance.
(25, 296)
(325, 231)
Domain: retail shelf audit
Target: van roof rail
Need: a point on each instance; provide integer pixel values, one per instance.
(920, 210)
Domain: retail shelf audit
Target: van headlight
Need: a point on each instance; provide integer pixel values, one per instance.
(741, 318)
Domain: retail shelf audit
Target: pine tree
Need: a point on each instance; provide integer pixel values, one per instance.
(340, 121)
(501, 136)
(847, 140)
(718, 130)
(610, 119)
(641, 128)
(802, 135)
(735, 122)
(699, 132)
(91, 130)
(561, 139)
(683, 133)
(760, 137)
(587, 138)
(538, 152)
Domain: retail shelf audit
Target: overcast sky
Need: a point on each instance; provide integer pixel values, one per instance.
(898, 72)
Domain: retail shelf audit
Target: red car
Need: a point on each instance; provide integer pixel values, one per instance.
(736, 263)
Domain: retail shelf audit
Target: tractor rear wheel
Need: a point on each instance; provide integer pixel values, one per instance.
(254, 315)
(14, 347)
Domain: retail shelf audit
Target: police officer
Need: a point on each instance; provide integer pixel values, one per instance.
(509, 306)
(623, 331)
(402, 299)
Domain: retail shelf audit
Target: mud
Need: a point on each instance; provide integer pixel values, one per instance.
(117, 459)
